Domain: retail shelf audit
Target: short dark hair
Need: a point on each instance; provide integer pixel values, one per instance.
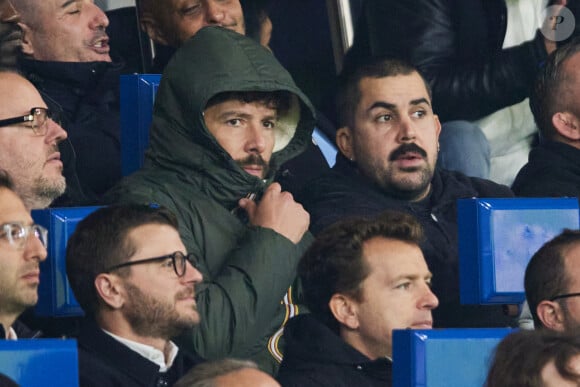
(552, 83)
(204, 374)
(546, 272)
(520, 358)
(101, 241)
(334, 263)
(348, 93)
(277, 100)
(6, 181)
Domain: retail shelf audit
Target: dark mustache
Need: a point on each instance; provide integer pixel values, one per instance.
(252, 159)
(412, 147)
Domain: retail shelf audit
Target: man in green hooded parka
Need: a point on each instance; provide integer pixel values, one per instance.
(226, 116)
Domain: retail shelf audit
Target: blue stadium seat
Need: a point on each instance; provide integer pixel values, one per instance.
(137, 98)
(55, 297)
(40, 362)
(497, 238)
(443, 357)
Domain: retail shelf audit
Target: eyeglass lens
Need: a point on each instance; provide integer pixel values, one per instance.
(17, 234)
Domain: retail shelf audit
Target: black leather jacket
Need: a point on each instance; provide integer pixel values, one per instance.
(457, 45)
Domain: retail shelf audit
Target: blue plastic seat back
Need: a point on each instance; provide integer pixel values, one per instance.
(40, 362)
(497, 238)
(444, 357)
(55, 297)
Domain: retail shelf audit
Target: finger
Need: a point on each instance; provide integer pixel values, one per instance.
(248, 205)
(275, 188)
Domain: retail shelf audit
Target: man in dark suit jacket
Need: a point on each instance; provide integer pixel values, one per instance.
(131, 274)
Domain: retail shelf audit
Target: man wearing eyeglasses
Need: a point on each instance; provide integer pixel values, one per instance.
(29, 140)
(65, 54)
(22, 248)
(552, 283)
(135, 281)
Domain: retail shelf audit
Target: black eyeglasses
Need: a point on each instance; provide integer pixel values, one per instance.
(564, 296)
(37, 120)
(178, 259)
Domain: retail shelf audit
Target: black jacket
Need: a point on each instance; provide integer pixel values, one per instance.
(87, 96)
(344, 192)
(553, 169)
(316, 356)
(105, 362)
(457, 44)
(22, 331)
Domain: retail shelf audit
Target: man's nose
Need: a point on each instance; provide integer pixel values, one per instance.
(55, 133)
(214, 13)
(406, 130)
(256, 139)
(99, 19)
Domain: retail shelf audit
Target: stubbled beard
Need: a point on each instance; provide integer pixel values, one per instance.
(44, 192)
(150, 317)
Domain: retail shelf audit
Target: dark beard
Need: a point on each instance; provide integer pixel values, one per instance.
(151, 318)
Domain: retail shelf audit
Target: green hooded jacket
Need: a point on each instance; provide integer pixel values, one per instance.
(243, 300)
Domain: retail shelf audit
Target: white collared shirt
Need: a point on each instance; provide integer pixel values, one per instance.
(11, 334)
(148, 352)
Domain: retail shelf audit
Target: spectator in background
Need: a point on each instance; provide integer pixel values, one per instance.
(479, 56)
(22, 248)
(388, 140)
(135, 281)
(29, 142)
(222, 126)
(362, 278)
(66, 56)
(171, 22)
(10, 36)
(227, 373)
(533, 359)
(553, 168)
(552, 283)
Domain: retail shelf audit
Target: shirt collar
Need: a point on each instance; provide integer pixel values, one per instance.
(150, 353)
(11, 334)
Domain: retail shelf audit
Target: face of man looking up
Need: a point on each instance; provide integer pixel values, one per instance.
(393, 138)
(64, 30)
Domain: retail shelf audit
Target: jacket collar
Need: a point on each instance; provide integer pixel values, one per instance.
(81, 75)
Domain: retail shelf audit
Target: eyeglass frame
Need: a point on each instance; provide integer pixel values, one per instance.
(561, 296)
(190, 257)
(43, 232)
(30, 118)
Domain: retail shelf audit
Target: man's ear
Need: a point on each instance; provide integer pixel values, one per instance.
(151, 27)
(344, 310)
(437, 125)
(344, 140)
(108, 288)
(26, 46)
(551, 315)
(567, 125)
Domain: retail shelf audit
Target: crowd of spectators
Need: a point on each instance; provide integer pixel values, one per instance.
(236, 240)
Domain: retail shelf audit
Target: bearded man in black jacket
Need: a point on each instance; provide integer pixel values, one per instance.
(388, 142)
